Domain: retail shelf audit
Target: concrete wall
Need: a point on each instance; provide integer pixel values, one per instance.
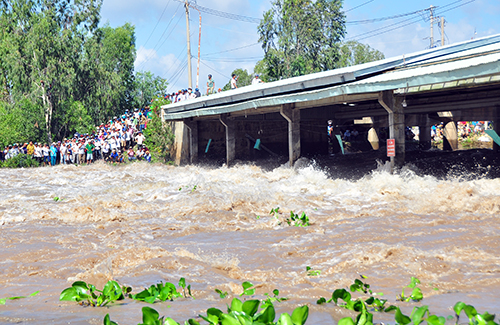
(180, 149)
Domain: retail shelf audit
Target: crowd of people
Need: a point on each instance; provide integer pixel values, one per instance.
(118, 141)
(188, 93)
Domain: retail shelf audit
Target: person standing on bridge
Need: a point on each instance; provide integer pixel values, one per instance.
(234, 78)
(256, 80)
(210, 85)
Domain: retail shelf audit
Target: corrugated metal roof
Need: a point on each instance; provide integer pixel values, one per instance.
(419, 68)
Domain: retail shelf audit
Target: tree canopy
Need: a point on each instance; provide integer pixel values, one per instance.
(59, 71)
(353, 53)
(147, 87)
(301, 37)
(244, 79)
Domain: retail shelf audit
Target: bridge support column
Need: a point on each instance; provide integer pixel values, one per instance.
(180, 147)
(393, 105)
(450, 140)
(193, 140)
(292, 115)
(230, 138)
(373, 138)
(496, 127)
(424, 132)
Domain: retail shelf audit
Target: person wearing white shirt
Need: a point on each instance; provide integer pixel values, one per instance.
(256, 80)
(62, 153)
(139, 139)
(233, 81)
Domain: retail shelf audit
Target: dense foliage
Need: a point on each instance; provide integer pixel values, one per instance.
(159, 136)
(353, 53)
(59, 71)
(244, 79)
(301, 37)
(147, 87)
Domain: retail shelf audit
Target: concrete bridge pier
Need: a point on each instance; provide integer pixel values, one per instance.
(393, 106)
(292, 115)
(230, 138)
(373, 138)
(496, 127)
(450, 139)
(193, 140)
(424, 132)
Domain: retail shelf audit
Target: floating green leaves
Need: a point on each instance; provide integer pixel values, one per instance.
(248, 289)
(311, 272)
(88, 294)
(3, 301)
(474, 317)
(416, 294)
(222, 295)
(158, 292)
(297, 221)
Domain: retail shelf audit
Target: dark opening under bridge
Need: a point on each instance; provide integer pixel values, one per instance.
(459, 82)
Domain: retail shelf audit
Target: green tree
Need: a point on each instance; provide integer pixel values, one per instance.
(301, 37)
(261, 69)
(244, 79)
(59, 72)
(353, 53)
(159, 135)
(147, 87)
(107, 80)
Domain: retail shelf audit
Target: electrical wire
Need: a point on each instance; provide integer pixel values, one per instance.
(179, 75)
(159, 19)
(233, 49)
(361, 5)
(401, 24)
(228, 60)
(156, 45)
(173, 64)
(220, 73)
(384, 29)
(180, 70)
(375, 20)
(225, 14)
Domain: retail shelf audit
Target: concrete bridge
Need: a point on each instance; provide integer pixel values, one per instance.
(459, 82)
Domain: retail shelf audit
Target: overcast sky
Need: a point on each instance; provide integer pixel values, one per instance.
(160, 27)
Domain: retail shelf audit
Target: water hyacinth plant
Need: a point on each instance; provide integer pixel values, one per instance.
(87, 294)
(3, 301)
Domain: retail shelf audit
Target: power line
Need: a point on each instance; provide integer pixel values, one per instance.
(246, 59)
(233, 49)
(375, 20)
(361, 5)
(166, 28)
(159, 19)
(220, 73)
(223, 13)
(402, 24)
(173, 64)
(180, 70)
(384, 29)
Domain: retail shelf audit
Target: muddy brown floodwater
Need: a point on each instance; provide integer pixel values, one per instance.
(140, 224)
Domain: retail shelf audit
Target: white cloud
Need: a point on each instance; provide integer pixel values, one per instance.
(143, 56)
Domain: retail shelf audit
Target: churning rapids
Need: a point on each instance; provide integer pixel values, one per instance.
(140, 224)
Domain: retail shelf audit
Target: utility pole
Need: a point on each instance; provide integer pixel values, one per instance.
(431, 10)
(190, 81)
(442, 31)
